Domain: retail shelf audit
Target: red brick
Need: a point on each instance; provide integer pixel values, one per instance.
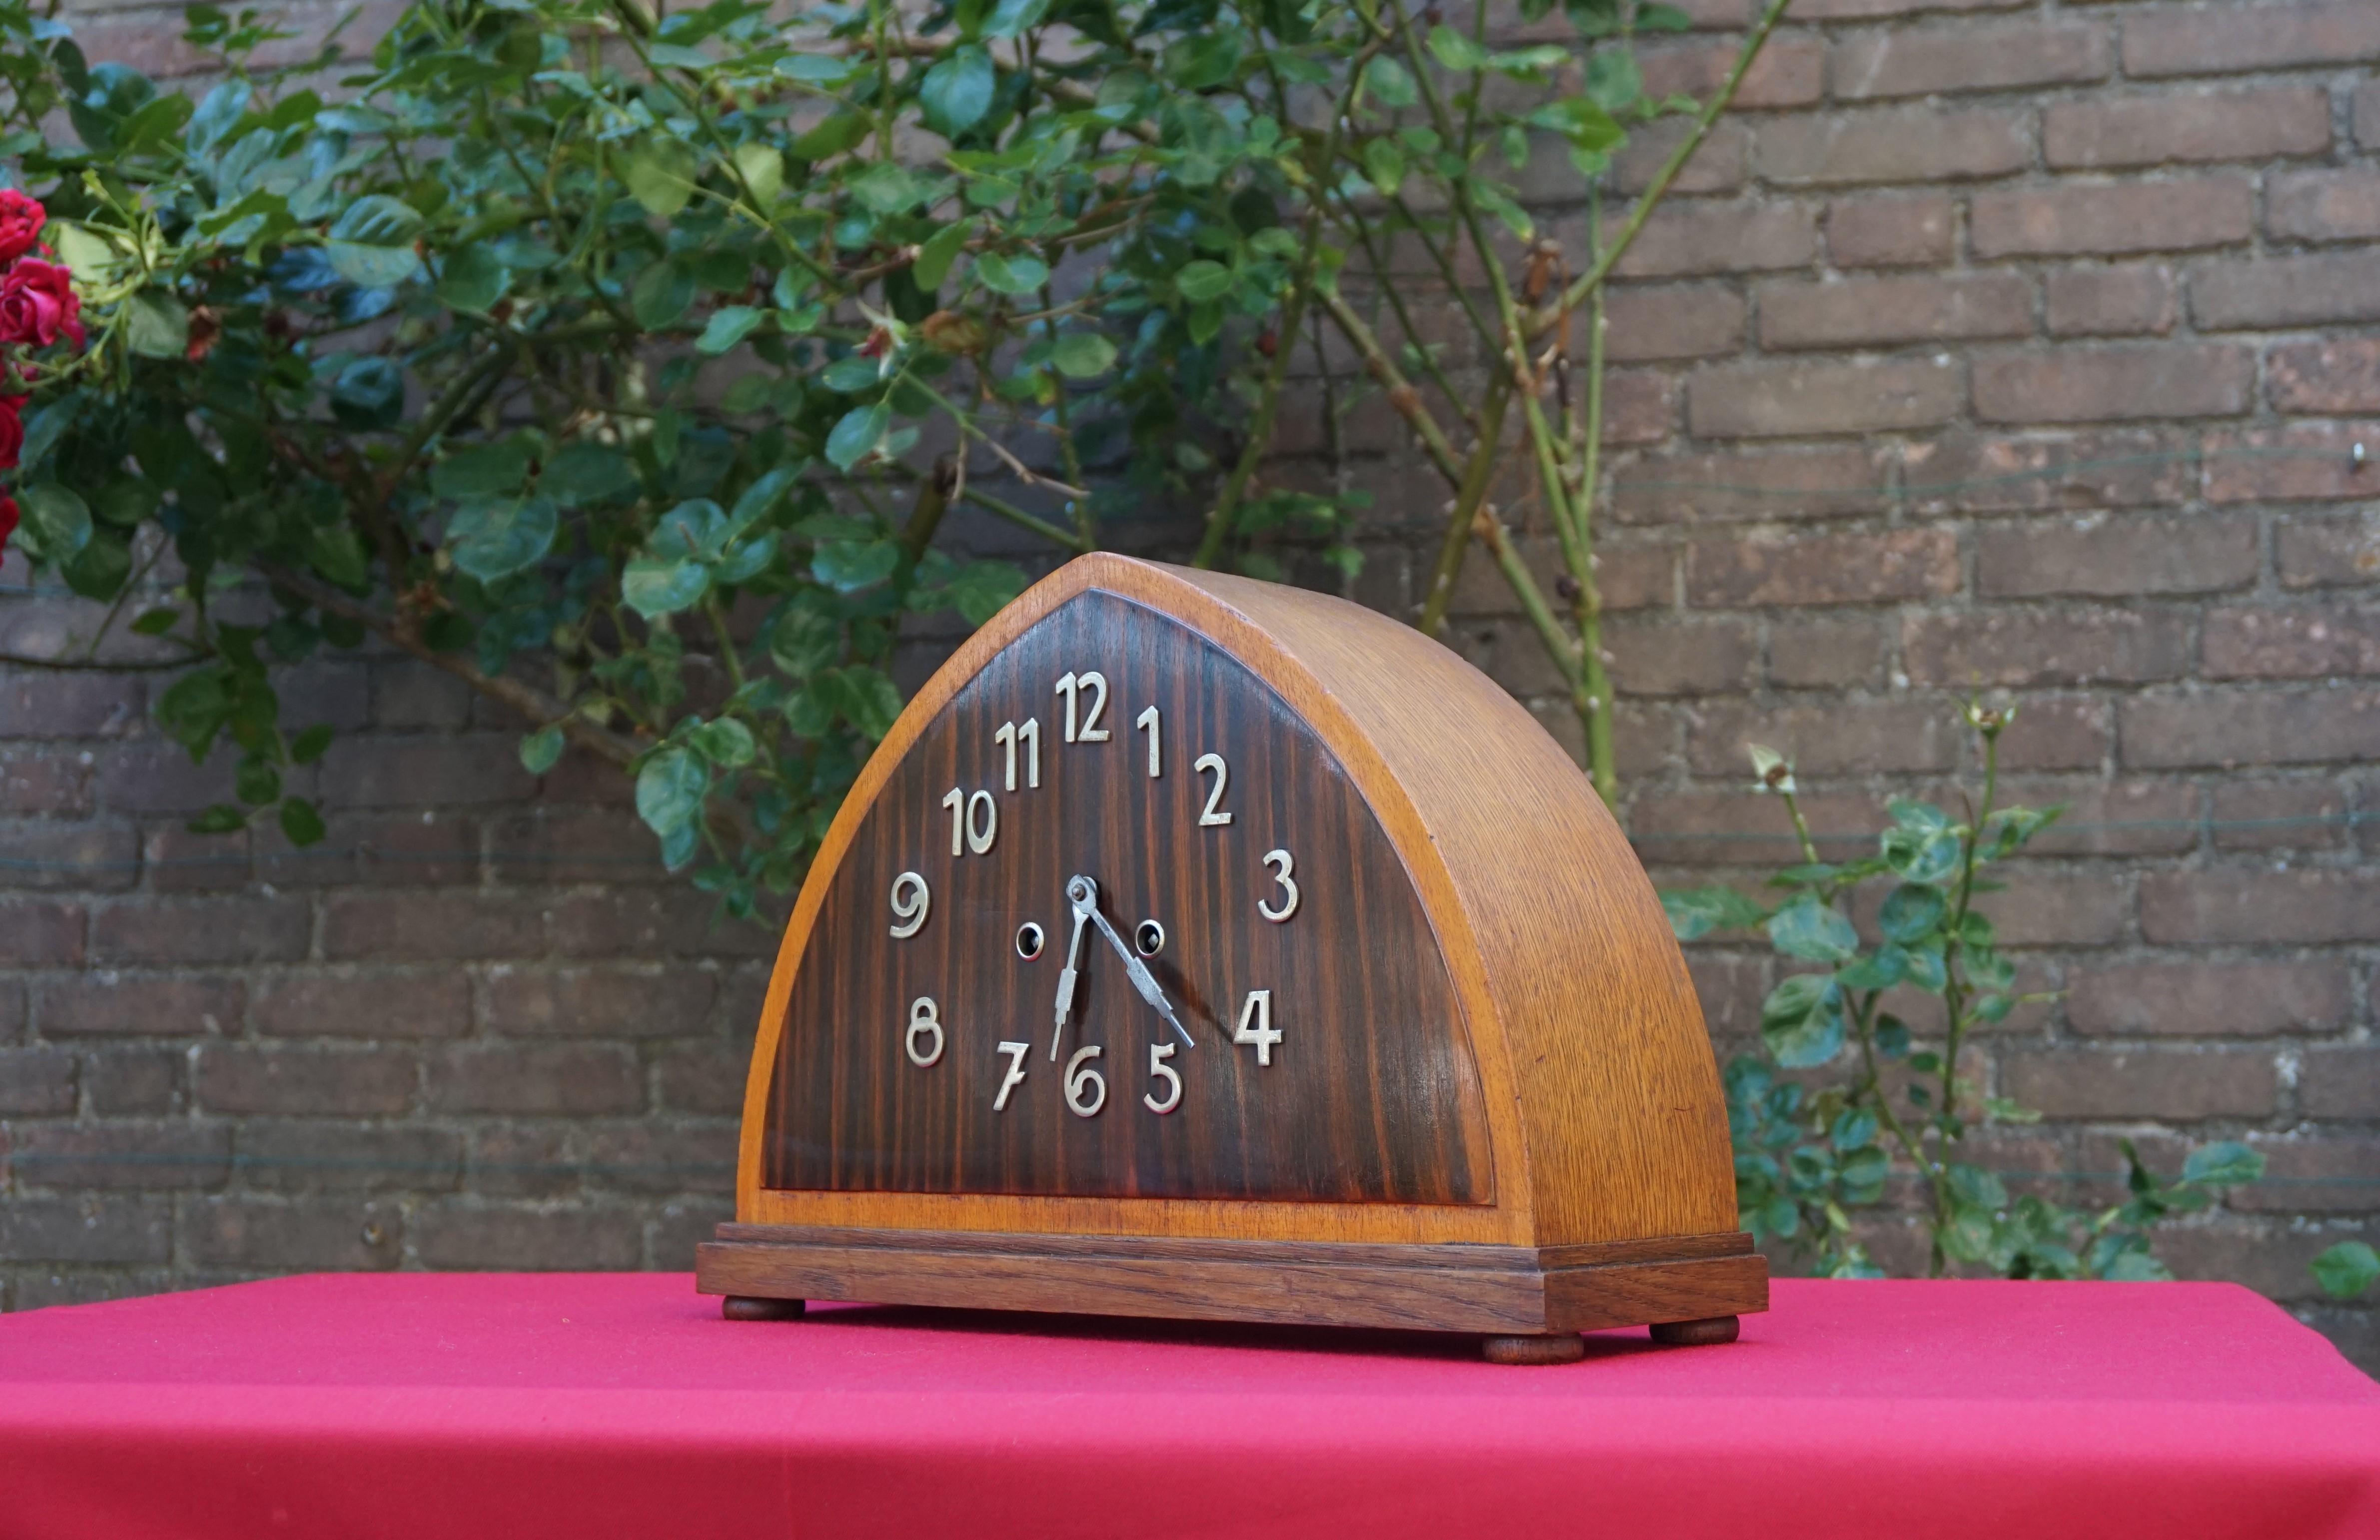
(1997, 473)
(1759, 484)
(1825, 654)
(574, 1080)
(2111, 818)
(2247, 906)
(178, 861)
(1860, 10)
(135, 1080)
(154, 776)
(69, 858)
(1674, 659)
(2112, 221)
(1779, 400)
(2312, 1175)
(2340, 1082)
(1791, 71)
(2035, 647)
(112, 1004)
(466, 1234)
(705, 1077)
(2285, 291)
(207, 930)
(1894, 144)
(2279, 814)
(2116, 557)
(35, 1082)
(375, 771)
(1833, 569)
(1834, 738)
(669, 921)
(2142, 1082)
(2272, 1262)
(2111, 385)
(2048, 908)
(1703, 240)
(2224, 728)
(611, 1002)
(1639, 406)
(1989, 55)
(2112, 301)
(405, 694)
(1746, 828)
(2100, 133)
(2300, 462)
(2326, 552)
(434, 1004)
(39, 705)
(411, 850)
(316, 1155)
(658, 1157)
(2290, 644)
(522, 1160)
(1731, 989)
(240, 1077)
(37, 932)
(54, 781)
(1637, 577)
(2208, 999)
(2221, 39)
(1889, 232)
(2323, 205)
(2367, 114)
(2333, 375)
(431, 926)
(91, 1154)
(1718, 166)
(315, 1235)
(95, 1230)
(1679, 323)
(1875, 311)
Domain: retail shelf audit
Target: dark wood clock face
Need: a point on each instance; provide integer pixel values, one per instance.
(1119, 925)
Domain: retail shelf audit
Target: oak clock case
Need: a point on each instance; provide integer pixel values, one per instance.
(1199, 947)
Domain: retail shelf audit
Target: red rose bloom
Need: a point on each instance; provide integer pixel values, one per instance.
(37, 302)
(8, 519)
(21, 219)
(12, 429)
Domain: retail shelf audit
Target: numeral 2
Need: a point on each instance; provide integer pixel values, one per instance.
(1214, 817)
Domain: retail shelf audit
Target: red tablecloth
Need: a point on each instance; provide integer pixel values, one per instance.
(426, 1406)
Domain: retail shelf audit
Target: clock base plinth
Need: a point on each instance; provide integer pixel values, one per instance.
(1567, 1347)
(1538, 1293)
(1707, 1332)
(745, 1307)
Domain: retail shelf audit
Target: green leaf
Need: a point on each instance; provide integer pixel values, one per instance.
(301, 823)
(1922, 856)
(1697, 912)
(1973, 1184)
(58, 519)
(483, 469)
(726, 743)
(157, 622)
(660, 173)
(126, 501)
(670, 788)
(936, 253)
(370, 243)
(803, 642)
(981, 590)
(835, 134)
(957, 90)
(1801, 1020)
(473, 278)
(1911, 912)
(1202, 279)
(1808, 928)
(157, 325)
(1011, 17)
(858, 435)
(727, 327)
(1455, 51)
(1385, 165)
(541, 749)
(311, 745)
(224, 818)
(2346, 1269)
(368, 394)
(1084, 355)
(100, 569)
(2135, 1266)
(657, 585)
(1968, 1236)
(885, 189)
(1854, 1129)
(1613, 79)
(1389, 84)
(493, 538)
(662, 294)
(849, 565)
(1583, 122)
(1018, 274)
(1660, 18)
(866, 698)
(2227, 1163)
(583, 473)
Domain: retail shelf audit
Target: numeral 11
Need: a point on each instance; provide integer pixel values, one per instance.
(1007, 739)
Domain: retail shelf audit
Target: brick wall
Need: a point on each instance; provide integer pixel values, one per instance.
(2015, 345)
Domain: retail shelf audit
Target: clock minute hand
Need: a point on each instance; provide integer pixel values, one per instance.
(1084, 894)
(1142, 979)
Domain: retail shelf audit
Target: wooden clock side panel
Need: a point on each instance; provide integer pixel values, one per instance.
(1626, 1124)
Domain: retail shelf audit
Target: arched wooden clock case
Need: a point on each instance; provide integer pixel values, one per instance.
(1199, 947)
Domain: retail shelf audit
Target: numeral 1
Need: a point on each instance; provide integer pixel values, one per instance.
(1016, 1077)
(1214, 817)
(1007, 738)
(1089, 731)
(1149, 722)
(1255, 1026)
(974, 821)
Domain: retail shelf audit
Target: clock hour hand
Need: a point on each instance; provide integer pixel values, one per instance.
(1142, 979)
(1084, 894)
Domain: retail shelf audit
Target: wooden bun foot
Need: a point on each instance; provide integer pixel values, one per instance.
(1707, 1332)
(743, 1307)
(1567, 1347)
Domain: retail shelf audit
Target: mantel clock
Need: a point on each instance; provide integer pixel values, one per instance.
(1199, 947)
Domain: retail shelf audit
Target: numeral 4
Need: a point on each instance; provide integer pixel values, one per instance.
(1255, 1026)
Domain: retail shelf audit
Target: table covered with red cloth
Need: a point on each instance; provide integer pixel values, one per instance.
(429, 1406)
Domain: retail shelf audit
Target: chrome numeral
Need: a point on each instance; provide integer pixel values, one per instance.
(974, 821)
(1159, 1069)
(1088, 731)
(1086, 1089)
(1282, 866)
(909, 913)
(923, 1023)
(1214, 817)
(1256, 1027)
(1151, 724)
(1016, 1077)
(1009, 735)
